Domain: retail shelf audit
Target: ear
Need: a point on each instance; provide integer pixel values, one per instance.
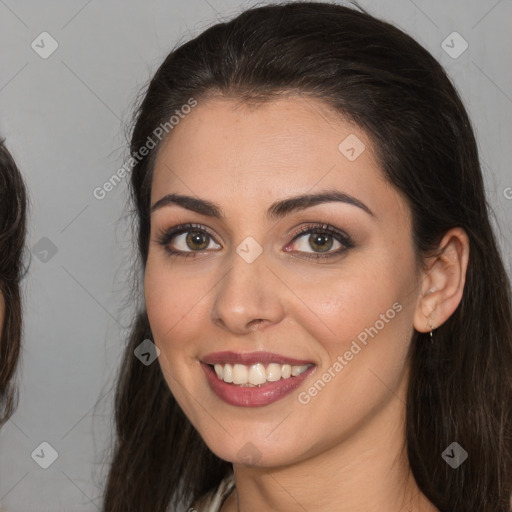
(443, 281)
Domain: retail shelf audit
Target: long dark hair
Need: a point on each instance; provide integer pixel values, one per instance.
(375, 75)
(13, 206)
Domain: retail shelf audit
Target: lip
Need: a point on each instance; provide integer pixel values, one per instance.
(250, 358)
(247, 396)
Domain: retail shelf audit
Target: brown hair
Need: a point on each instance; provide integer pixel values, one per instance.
(460, 387)
(13, 206)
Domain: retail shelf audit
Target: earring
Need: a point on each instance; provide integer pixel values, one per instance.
(431, 335)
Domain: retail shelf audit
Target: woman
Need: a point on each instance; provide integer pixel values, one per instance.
(12, 236)
(331, 313)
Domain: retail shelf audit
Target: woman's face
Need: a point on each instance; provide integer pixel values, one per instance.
(247, 283)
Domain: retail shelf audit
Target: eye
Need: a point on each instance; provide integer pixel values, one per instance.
(322, 238)
(185, 237)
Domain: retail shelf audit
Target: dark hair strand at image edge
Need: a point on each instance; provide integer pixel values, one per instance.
(13, 207)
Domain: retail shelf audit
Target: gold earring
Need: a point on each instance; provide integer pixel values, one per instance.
(431, 335)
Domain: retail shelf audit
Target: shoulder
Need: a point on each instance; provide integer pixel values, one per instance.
(212, 501)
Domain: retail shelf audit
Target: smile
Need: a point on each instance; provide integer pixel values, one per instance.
(254, 379)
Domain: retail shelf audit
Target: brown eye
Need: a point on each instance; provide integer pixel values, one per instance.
(320, 242)
(199, 238)
(185, 240)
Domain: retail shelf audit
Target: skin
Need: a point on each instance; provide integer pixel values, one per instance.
(345, 449)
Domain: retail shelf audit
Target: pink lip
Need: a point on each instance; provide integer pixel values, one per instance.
(249, 358)
(246, 396)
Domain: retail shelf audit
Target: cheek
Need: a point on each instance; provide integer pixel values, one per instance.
(164, 302)
(170, 302)
(363, 323)
(370, 312)
(175, 304)
(339, 305)
(158, 298)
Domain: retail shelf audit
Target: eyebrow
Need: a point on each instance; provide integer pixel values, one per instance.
(277, 210)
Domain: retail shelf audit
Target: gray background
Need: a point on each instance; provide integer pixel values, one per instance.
(64, 119)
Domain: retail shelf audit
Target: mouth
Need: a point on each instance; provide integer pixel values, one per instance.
(254, 379)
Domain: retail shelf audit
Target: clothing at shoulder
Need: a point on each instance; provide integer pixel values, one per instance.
(212, 501)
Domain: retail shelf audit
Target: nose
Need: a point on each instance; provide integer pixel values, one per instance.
(248, 297)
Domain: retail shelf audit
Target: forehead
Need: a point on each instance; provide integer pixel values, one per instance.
(232, 153)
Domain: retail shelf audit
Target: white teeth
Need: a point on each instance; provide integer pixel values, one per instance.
(273, 372)
(240, 374)
(296, 370)
(219, 370)
(228, 372)
(257, 374)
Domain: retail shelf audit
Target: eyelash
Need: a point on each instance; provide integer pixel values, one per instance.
(316, 229)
